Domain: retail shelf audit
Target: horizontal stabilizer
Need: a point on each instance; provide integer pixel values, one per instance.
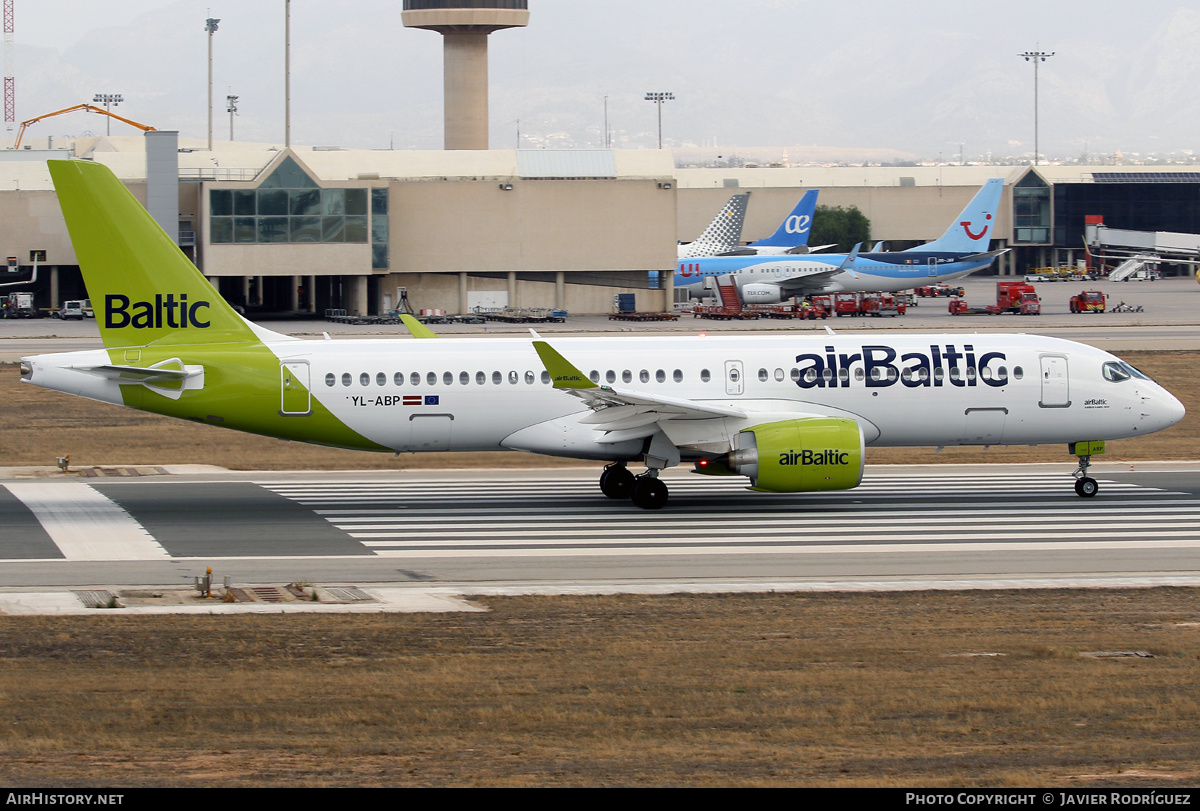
(169, 378)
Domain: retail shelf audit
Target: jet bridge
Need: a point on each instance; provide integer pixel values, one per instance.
(1137, 249)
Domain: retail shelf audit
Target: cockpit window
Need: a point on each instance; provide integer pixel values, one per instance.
(1134, 371)
(1115, 372)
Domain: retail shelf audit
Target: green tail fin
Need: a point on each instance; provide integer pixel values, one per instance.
(143, 288)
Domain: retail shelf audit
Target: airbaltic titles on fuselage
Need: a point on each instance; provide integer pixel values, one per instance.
(917, 369)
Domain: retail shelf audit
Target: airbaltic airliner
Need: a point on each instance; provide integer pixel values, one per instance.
(791, 413)
(766, 279)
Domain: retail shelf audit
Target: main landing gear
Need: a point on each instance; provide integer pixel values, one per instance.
(1085, 485)
(646, 491)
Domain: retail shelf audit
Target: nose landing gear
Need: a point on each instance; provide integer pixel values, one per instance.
(1085, 485)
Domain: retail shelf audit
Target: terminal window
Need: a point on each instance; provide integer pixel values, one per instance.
(288, 207)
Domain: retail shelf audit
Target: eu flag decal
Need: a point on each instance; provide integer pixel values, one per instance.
(431, 399)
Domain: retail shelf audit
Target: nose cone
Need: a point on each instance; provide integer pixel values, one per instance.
(1164, 410)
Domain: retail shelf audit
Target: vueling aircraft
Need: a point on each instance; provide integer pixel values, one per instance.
(724, 233)
(791, 413)
(760, 279)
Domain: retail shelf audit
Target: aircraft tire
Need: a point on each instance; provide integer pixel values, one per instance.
(617, 482)
(649, 493)
(1086, 487)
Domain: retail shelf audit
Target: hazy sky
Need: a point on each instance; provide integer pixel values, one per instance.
(930, 78)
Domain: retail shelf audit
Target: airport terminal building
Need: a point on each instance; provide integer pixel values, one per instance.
(307, 229)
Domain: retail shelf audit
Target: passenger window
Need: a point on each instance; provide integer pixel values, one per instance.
(860, 374)
(512, 378)
(330, 379)
(705, 376)
(1018, 372)
(346, 379)
(594, 376)
(464, 378)
(497, 378)
(528, 378)
(610, 376)
(431, 378)
(955, 373)
(364, 379)
(415, 378)
(644, 376)
(398, 378)
(678, 375)
(764, 375)
(810, 375)
(447, 378)
(626, 376)
(795, 375)
(380, 379)
(844, 375)
(545, 376)
(779, 375)
(660, 376)
(480, 378)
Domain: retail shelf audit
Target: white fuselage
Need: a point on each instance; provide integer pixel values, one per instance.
(479, 395)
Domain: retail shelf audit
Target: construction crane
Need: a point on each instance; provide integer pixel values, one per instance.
(85, 107)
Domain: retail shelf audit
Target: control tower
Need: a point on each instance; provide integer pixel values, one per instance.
(465, 26)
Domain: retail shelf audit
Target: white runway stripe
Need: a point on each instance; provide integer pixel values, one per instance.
(897, 512)
(84, 524)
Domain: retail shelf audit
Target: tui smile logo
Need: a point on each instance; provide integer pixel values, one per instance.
(164, 311)
(966, 224)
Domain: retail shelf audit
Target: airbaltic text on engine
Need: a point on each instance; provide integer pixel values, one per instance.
(120, 312)
(807, 457)
(882, 357)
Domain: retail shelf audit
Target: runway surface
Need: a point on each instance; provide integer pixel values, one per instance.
(485, 529)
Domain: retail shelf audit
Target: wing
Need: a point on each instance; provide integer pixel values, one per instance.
(623, 414)
(814, 281)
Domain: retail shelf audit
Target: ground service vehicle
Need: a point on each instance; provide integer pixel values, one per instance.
(792, 413)
(1088, 301)
(938, 291)
(18, 305)
(70, 310)
(1009, 296)
(881, 304)
(845, 304)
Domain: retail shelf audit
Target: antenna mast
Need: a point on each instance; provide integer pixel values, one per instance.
(10, 82)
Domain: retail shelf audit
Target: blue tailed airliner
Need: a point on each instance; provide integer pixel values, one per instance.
(767, 279)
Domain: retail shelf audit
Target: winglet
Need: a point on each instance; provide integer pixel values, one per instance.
(848, 263)
(562, 373)
(416, 328)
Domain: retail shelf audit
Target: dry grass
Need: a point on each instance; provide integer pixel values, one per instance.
(973, 689)
(39, 425)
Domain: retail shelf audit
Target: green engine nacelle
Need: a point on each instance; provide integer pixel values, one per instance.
(800, 456)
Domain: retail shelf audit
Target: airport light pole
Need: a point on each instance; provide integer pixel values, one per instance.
(108, 99)
(231, 108)
(659, 98)
(1035, 57)
(210, 25)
